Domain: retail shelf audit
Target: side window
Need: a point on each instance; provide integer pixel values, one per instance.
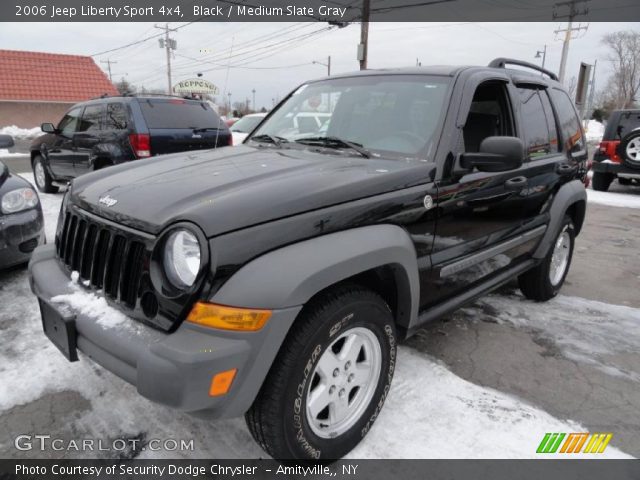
(489, 116)
(116, 117)
(91, 119)
(551, 121)
(69, 122)
(535, 128)
(569, 123)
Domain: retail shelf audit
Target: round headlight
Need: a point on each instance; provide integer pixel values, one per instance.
(182, 258)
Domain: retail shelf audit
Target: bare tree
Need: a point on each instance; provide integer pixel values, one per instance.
(624, 54)
(125, 88)
(572, 86)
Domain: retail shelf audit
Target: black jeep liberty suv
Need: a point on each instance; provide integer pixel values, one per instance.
(274, 280)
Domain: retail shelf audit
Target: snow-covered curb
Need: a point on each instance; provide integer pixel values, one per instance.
(17, 132)
(611, 199)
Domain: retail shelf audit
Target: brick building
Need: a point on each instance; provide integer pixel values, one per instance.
(40, 87)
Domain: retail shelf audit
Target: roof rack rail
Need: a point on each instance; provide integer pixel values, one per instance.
(502, 62)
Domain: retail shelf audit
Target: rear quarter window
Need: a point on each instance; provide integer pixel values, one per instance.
(570, 127)
(117, 117)
(178, 113)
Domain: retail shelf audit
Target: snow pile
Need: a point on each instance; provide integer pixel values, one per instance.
(587, 331)
(17, 132)
(4, 153)
(594, 131)
(445, 416)
(611, 199)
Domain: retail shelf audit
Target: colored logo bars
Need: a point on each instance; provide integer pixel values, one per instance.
(574, 442)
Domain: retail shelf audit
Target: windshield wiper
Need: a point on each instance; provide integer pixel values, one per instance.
(265, 137)
(203, 129)
(335, 142)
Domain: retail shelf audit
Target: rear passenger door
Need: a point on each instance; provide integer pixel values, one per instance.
(87, 137)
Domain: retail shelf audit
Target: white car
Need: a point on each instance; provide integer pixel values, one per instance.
(244, 126)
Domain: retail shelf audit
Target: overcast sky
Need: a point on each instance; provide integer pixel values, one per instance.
(257, 49)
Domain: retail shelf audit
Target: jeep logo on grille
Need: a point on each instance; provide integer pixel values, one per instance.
(107, 201)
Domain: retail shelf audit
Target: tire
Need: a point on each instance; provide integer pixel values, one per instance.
(41, 176)
(630, 149)
(543, 282)
(280, 419)
(601, 181)
(624, 181)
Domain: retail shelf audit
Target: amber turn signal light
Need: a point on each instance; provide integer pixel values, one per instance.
(221, 382)
(228, 318)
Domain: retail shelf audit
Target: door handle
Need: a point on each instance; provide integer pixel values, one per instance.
(516, 183)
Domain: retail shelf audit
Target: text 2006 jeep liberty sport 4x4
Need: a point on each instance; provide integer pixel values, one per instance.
(275, 279)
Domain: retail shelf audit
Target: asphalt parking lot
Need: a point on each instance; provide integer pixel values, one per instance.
(501, 371)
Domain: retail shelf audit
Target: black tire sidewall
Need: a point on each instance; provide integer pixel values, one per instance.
(567, 225)
(300, 438)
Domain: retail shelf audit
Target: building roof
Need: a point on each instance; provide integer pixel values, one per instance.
(51, 77)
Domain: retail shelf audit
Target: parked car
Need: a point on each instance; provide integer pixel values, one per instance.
(244, 126)
(276, 279)
(21, 220)
(230, 121)
(112, 130)
(619, 152)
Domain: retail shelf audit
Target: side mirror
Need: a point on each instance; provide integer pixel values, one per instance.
(497, 154)
(6, 141)
(48, 128)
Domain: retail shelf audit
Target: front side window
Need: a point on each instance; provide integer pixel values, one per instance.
(91, 119)
(69, 122)
(392, 116)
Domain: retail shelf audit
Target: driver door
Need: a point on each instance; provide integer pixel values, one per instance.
(62, 153)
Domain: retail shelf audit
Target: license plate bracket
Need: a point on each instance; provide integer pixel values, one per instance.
(60, 328)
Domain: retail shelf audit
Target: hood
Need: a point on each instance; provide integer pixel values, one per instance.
(232, 188)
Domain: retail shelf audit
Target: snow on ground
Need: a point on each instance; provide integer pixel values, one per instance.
(4, 153)
(443, 415)
(587, 331)
(611, 199)
(17, 132)
(594, 131)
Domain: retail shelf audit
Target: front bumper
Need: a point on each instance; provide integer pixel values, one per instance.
(619, 169)
(20, 233)
(174, 369)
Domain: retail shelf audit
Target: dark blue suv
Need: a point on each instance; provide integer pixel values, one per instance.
(111, 130)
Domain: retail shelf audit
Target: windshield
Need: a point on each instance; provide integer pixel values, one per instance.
(246, 124)
(395, 115)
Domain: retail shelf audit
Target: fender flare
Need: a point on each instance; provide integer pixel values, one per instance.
(291, 275)
(569, 194)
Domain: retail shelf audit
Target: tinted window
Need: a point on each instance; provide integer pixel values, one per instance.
(69, 122)
(91, 119)
(551, 121)
(568, 119)
(628, 121)
(116, 117)
(176, 113)
(534, 122)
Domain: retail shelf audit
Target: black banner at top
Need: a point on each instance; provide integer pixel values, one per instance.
(318, 10)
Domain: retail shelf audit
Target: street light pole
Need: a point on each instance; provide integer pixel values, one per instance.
(544, 55)
(253, 105)
(328, 65)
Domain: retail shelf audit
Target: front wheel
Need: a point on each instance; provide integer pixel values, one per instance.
(330, 379)
(43, 180)
(543, 282)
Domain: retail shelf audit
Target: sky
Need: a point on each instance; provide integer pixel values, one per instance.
(273, 58)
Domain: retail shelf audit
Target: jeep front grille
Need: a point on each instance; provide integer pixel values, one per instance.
(105, 258)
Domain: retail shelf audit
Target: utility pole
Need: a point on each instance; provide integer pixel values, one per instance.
(253, 105)
(568, 32)
(329, 66)
(168, 44)
(364, 35)
(109, 62)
